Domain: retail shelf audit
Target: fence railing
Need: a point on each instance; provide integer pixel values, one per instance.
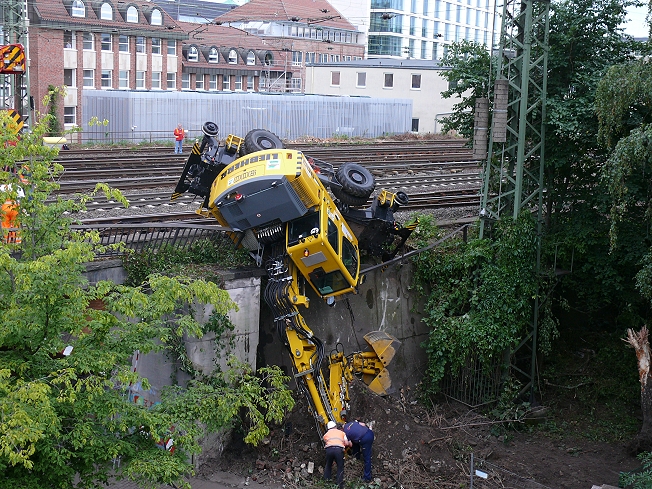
(139, 237)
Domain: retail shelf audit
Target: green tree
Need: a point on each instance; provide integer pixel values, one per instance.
(468, 78)
(66, 414)
(478, 297)
(586, 38)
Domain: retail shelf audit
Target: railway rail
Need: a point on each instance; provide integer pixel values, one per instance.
(434, 173)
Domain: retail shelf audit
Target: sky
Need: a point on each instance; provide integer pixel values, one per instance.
(636, 25)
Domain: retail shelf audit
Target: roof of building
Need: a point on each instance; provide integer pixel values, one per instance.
(202, 11)
(57, 14)
(306, 12)
(414, 64)
(219, 35)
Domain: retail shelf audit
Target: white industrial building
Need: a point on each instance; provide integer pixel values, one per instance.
(417, 80)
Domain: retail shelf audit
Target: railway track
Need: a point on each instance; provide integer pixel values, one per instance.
(434, 174)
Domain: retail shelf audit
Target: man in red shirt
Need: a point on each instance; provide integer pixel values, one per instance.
(179, 134)
(335, 442)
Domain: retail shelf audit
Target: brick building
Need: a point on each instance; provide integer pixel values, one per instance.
(298, 32)
(136, 45)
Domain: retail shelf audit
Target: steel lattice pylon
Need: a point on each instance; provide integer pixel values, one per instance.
(513, 177)
(14, 89)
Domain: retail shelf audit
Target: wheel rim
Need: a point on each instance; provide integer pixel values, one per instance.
(265, 143)
(357, 177)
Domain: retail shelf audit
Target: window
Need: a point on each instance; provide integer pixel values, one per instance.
(140, 44)
(156, 80)
(415, 125)
(199, 81)
(448, 11)
(238, 83)
(123, 44)
(69, 40)
(361, 81)
(106, 78)
(89, 41)
(333, 236)
(416, 82)
(213, 57)
(140, 80)
(185, 81)
(251, 58)
(323, 58)
(132, 14)
(297, 58)
(107, 44)
(349, 256)
(389, 80)
(193, 54)
(250, 83)
(172, 81)
(123, 79)
(310, 58)
(69, 78)
(335, 78)
(172, 47)
(226, 82)
(212, 82)
(89, 78)
(70, 115)
(78, 9)
(157, 18)
(156, 45)
(106, 12)
(233, 57)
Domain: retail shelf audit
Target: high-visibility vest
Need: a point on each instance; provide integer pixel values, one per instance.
(335, 438)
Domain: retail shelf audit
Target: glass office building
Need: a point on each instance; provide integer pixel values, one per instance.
(423, 29)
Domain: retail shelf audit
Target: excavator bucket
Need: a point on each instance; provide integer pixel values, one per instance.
(383, 344)
(379, 384)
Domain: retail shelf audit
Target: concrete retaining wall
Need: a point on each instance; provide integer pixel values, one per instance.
(384, 303)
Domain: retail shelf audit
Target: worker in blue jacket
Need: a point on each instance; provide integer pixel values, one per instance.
(362, 438)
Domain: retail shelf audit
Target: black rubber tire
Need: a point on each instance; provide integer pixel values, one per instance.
(210, 129)
(356, 180)
(261, 139)
(402, 198)
(347, 198)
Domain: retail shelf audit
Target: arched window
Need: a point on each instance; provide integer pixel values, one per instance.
(193, 54)
(157, 18)
(106, 12)
(78, 9)
(269, 59)
(132, 14)
(251, 58)
(212, 56)
(233, 57)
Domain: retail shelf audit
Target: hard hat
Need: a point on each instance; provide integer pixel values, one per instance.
(331, 425)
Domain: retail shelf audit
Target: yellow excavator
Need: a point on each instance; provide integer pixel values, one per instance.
(275, 202)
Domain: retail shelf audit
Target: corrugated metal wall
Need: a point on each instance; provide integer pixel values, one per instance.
(139, 115)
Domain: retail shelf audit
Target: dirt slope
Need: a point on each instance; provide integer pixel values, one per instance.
(414, 448)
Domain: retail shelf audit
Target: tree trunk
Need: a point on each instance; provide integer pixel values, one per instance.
(640, 342)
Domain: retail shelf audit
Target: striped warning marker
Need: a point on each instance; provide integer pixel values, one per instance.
(13, 59)
(17, 118)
